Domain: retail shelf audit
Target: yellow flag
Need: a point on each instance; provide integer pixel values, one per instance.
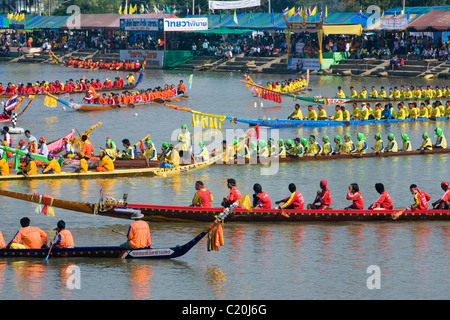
(326, 11)
(313, 12)
(125, 10)
(245, 202)
(50, 101)
(120, 9)
(135, 8)
(291, 12)
(301, 12)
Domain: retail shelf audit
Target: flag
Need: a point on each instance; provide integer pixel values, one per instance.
(321, 13)
(382, 15)
(120, 9)
(211, 7)
(199, 10)
(146, 8)
(245, 202)
(326, 11)
(291, 12)
(142, 10)
(187, 10)
(125, 10)
(360, 11)
(135, 8)
(174, 9)
(309, 11)
(155, 10)
(50, 101)
(235, 18)
(11, 103)
(297, 12)
(285, 11)
(167, 9)
(314, 11)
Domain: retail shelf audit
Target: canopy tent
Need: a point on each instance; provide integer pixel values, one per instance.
(4, 23)
(46, 22)
(435, 20)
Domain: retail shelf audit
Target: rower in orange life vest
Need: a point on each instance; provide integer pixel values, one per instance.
(233, 196)
(202, 197)
(294, 201)
(2, 241)
(138, 235)
(323, 198)
(444, 201)
(421, 198)
(181, 88)
(64, 239)
(384, 202)
(354, 195)
(261, 199)
(28, 237)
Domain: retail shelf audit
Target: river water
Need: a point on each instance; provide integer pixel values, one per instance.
(259, 261)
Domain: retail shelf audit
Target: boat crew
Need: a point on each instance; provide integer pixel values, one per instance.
(361, 145)
(129, 152)
(289, 147)
(272, 147)
(53, 166)
(327, 149)
(363, 93)
(392, 145)
(4, 166)
(406, 143)
(261, 199)
(345, 114)
(105, 164)
(386, 113)
(164, 153)
(242, 150)
(323, 198)
(28, 237)
(337, 114)
(89, 97)
(203, 155)
(299, 147)
(447, 109)
(297, 114)
(355, 195)
(87, 148)
(312, 114)
(340, 93)
(150, 151)
(426, 143)
(138, 235)
(421, 198)
(322, 113)
(401, 113)
(337, 145)
(444, 201)
(384, 201)
(314, 148)
(379, 146)
(64, 239)
(356, 112)
(233, 196)
(294, 201)
(373, 93)
(202, 197)
(353, 93)
(263, 151)
(441, 142)
(184, 142)
(382, 93)
(348, 146)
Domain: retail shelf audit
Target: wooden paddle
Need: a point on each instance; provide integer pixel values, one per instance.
(124, 234)
(397, 214)
(51, 247)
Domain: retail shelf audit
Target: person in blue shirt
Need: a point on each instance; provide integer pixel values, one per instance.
(386, 113)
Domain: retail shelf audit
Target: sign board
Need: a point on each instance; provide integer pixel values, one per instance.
(305, 64)
(141, 24)
(186, 24)
(155, 59)
(394, 23)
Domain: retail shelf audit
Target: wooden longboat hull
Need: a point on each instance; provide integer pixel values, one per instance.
(330, 101)
(139, 172)
(105, 252)
(189, 214)
(287, 123)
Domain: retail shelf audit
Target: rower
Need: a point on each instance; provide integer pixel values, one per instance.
(181, 89)
(298, 149)
(386, 113)
(392, 145)
(87, 148)
(340, 93)
(337, 114)
(263, 151)
(444, 201)
(130, 79)
(426, 143)
(203, 155)
(314, 149)
(373, 93)
(441, 142)
(322, 113)
(64, 239)
(384, 201)
(164, 153)
(184, 142)
(202, 197)
(364, 112)
(83, 167)
(345, 114)
(30, 168)
(128, 153)
(312, 114)
(353, 93)
(4, 166)
(28, 237)
(363, 93)
(379, 146)
(327, 149)
(89, 97)
(289, 147)
(53, 166)
(68, 148)
(401, 113)
(233, 196)
(105, 164)
(280, 150)
(356, 112)
(150, 151)
(138, 235)
(361, 145)
(355, 195)
(323, 198)
(294, 201)
(348, 146)
(421, 198)
(406, 143)
(261, 199)
(297, 114)
(338, 145)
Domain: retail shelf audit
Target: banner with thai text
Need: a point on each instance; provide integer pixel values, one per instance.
(141, 24)
(224, 5)
(394, 23)
(155, 59)
(186, 24)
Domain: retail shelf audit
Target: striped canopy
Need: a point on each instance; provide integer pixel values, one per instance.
(46, 22)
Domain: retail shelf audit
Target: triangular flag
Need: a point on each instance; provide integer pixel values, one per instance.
(120, 10)
(291, 12)
(235, 19)
(245, 202)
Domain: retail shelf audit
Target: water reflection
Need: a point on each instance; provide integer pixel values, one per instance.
(29, 279)
(217, 279)
(140, 280)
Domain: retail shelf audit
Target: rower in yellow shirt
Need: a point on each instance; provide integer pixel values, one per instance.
(426, 143)
(408, 93)
(412, 112)
(435, 111)
(447, 109)
(314, 149)
(356, 112)
(364, 112)
(363, 93)
(345, 114)
(377, 111)
(401, 113)
(337, 114)
(4, 167)
(340, 93)
(31, 167)
(322, 112)
(406, 143)
(312, 114)
(423, 110)
(105, 164)
(327, 149)
(373, 93)
(353, 93)
(378, 146)
(396, 93)
(441, 142)
(382, 93)
(53, 166)
(297, 114)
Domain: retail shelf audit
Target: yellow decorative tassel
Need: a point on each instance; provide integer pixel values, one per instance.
(193, 120)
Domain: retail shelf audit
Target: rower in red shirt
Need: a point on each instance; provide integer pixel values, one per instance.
(294, 201)
(261, 199)
(421, 198)
(323, 198)
(10, 89)
(2, 89)
(233, 196)
(444, 201)
(202, 197)
(384, 201)
(354, 195)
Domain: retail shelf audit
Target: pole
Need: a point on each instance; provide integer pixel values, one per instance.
(269, 7)
(193, 7)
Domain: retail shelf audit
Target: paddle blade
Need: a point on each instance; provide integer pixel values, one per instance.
(285, 214)
(397, 214)
(50, 101)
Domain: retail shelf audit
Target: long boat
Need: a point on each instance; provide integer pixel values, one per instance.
(139, 172)
(289, 123)
(170, 213)
(103, 89)
(6, 119)
(264, 93)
